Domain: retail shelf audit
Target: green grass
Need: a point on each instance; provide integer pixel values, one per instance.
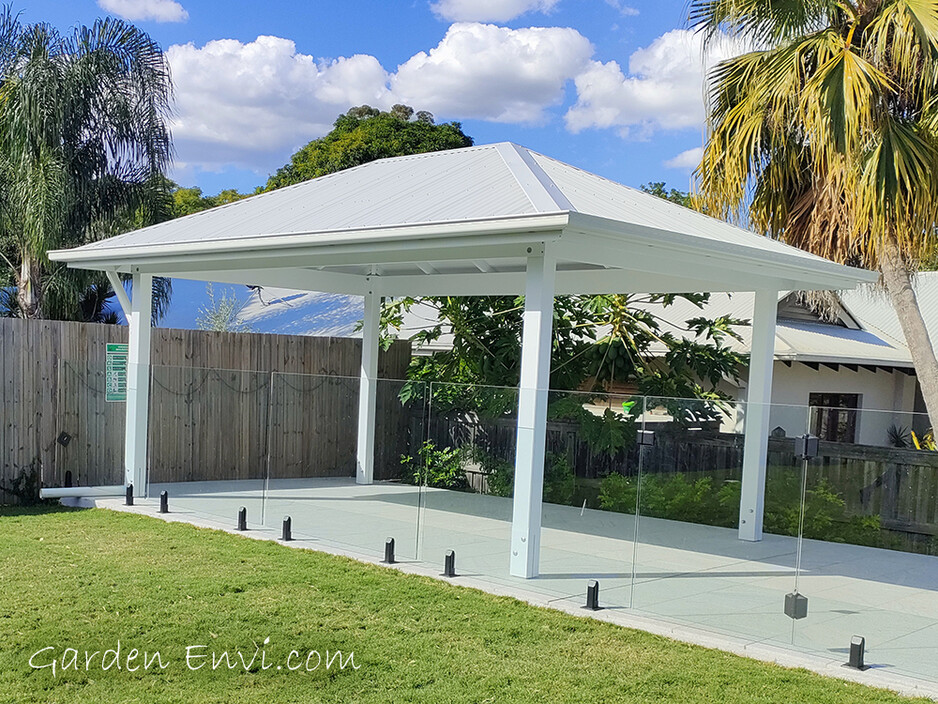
(88, 578)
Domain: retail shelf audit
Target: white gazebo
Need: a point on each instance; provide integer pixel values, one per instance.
(484, 220)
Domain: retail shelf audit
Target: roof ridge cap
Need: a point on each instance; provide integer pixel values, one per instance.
(540, 189)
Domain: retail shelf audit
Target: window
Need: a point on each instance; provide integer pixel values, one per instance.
(834, 416)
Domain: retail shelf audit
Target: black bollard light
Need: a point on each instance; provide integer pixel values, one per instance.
(857, 653)
(164, 502)
(449, 564)
(243, 518)
(388, 551)
(592, 595)
(68, 477)
(287, 532)
(129, 495)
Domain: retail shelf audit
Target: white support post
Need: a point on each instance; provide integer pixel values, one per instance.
(368, 390)
(138, 384)
(756, 423)
(532, 415)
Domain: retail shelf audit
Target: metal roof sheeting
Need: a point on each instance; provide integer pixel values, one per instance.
(595, 195)
(474, 183)
(461, 184)
(484, 204)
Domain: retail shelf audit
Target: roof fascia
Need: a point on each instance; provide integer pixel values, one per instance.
(482, 232)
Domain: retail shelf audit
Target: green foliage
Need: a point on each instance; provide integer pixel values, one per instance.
(597, 341)
(222, 313)
(441, 469)
(618, 493)
(499, 472)
(365, 134)
(658, 188)
(603, 434)
(83, 142)
(710, 500)
(559, 480)
(190, 200)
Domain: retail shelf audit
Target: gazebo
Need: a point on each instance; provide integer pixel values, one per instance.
(483, 220)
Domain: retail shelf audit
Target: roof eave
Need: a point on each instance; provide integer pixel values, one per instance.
(807, 274)
(503, 230)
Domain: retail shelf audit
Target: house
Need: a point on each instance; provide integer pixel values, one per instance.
(853, 369)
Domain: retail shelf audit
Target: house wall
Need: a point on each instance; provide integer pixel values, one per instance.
(885, 398)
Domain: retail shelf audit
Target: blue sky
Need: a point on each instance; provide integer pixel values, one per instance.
(607, 85)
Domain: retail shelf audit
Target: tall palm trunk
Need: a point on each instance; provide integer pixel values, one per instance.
(27, 288)
(899, 287)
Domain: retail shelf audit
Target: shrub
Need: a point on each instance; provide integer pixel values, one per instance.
(618, 493)
(559, 481)
(442, 469)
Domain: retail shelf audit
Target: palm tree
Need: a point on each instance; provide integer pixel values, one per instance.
(83, 144)
(825, 135)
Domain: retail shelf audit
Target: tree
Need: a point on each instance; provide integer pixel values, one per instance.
(83, 143)
(658, 188)
(186, 201)
(222, 314)
(826, 136)
(365, 134)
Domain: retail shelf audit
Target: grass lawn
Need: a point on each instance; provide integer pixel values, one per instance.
(86, 579)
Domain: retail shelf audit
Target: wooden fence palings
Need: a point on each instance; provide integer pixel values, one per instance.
(210, 405)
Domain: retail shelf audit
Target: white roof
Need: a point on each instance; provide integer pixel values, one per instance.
(462, 222)
(876, 309)
(802, 340)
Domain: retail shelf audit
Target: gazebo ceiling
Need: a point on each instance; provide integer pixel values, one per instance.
(462, 222)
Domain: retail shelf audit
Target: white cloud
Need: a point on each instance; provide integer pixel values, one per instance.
(488, 10)
(686, 160)
(156, 10)
(251, 104)
(624, 10)
(494, 73)
(664, 88)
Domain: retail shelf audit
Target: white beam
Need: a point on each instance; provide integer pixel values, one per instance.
(513, 283)
(299, 279)
(138, 384)
(368, 390)
(120, 292)
(756, 423)
(532, 415)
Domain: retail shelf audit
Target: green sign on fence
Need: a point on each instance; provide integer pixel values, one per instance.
(116, 372)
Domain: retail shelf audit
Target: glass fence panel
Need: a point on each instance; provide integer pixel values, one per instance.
(591, 470)
(208, 441)
(87, 434)
(693, 562)
(869, 546)
(467, 460)
(314, 467)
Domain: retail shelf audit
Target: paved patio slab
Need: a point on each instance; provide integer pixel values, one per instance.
(688, 575)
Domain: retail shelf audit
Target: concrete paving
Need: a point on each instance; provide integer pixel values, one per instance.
(692, 582)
